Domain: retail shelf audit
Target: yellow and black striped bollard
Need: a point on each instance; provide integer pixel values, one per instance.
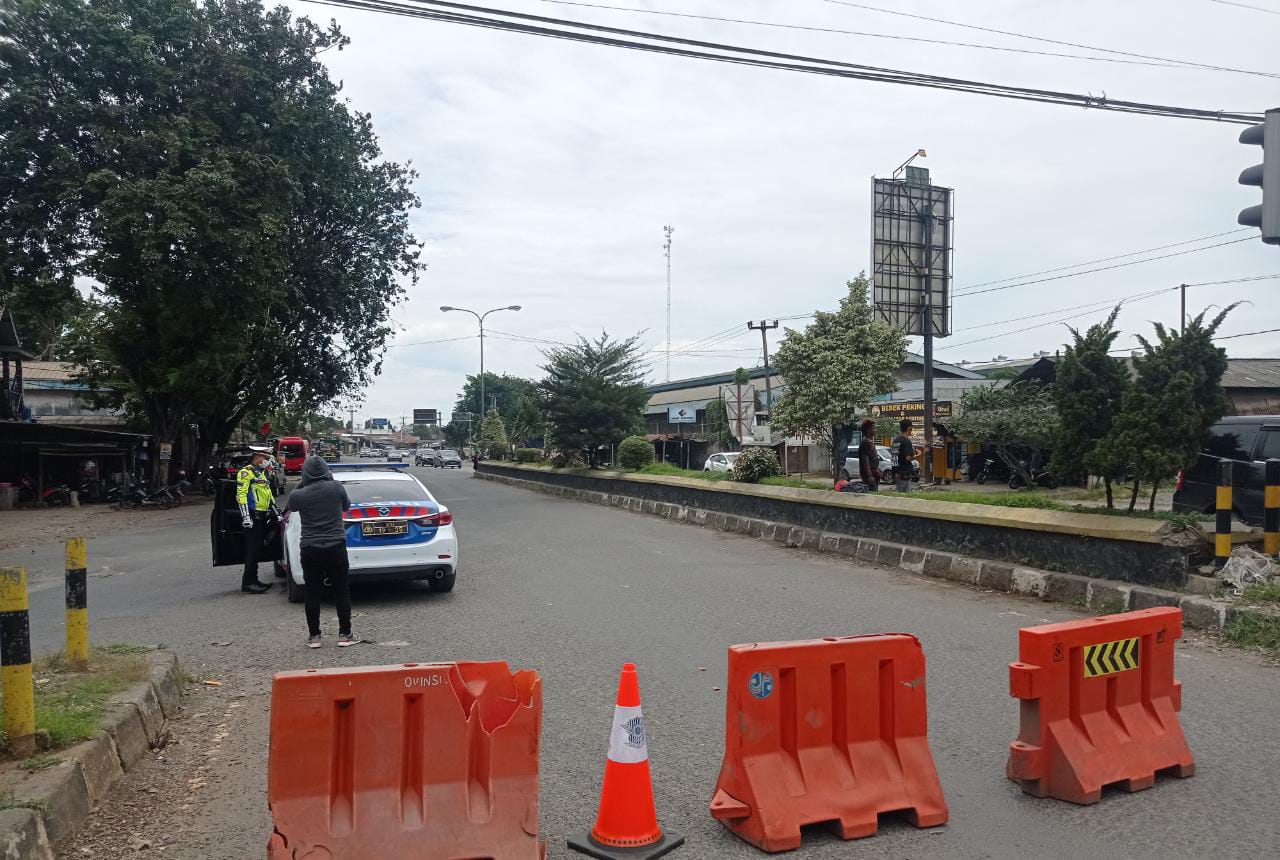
(77, 606)
(15, 663)
(1222, 525)
(1271, 510)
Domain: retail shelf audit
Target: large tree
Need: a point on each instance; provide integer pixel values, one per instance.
(502, 391)
(1017, 420)
(1088, 391)
(1175, 398)
(594, 393)
(834, 368)
(242, 235)
(526, 422)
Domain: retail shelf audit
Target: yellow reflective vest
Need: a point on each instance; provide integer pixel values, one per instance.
(253, 486)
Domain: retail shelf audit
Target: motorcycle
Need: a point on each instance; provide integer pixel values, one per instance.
(57, 496)
(138, 497)
(1040, 477)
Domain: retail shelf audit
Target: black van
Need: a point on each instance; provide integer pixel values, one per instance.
(1249, 441)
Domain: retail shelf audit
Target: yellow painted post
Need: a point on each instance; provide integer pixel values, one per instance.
(1222, 524)
(15, 663)
(77, 605)
(1271, 509)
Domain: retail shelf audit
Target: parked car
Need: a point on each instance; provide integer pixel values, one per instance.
(396, 530)
(367, 453)
(722, 462)
(394, 456)
(446, 458)
(1248, 441)
(885, 456)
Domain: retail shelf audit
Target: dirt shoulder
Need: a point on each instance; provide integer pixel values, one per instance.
(29, 527)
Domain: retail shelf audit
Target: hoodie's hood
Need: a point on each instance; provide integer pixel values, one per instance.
(315, 469)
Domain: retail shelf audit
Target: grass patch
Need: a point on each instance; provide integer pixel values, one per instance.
(1252, 631)
(39, 762)
(1260, 593)
(125, 648)
(999, 500)
(788, 481)
(669, 471)
(70, 705)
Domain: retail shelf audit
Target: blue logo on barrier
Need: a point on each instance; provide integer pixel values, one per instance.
(761, 685)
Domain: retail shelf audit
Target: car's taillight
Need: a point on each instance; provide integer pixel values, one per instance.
(444, 518)
(1181, 476)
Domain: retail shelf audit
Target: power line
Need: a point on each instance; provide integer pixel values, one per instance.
(771, 59)
(1101, 268)
(1049, 323)
(1248, 333)
(428, 342)
(841, 32)
(1103, 305)
(1107, 259)
(1246, 6)
(1050, 41)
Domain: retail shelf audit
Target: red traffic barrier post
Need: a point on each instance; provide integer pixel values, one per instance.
(430, 761)
(1098, 705)
(826, 731)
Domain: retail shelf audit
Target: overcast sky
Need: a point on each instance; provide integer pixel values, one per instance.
(549, 168)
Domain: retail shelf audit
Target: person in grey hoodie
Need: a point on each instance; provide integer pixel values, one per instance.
(320, 501)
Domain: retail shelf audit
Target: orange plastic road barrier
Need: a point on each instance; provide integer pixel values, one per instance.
(627, 824)
(431, 761)
(826, 731)
(1099, 705)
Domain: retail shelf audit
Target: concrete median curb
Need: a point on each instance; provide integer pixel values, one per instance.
(50, 805)
(1103, 596)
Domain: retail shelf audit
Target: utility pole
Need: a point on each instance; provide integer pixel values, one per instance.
(763, 327)
(1182, 317)
(927, 328)
(666, 249)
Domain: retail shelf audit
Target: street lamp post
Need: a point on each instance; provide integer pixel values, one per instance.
(480, 319)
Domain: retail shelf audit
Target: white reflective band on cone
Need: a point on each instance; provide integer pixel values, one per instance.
(626, 741)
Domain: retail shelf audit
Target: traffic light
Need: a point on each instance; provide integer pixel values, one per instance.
(1266, 175)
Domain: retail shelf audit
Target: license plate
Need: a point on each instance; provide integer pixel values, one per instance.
(396, 527)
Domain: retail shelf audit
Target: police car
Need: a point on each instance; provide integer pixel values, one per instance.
(396, 530)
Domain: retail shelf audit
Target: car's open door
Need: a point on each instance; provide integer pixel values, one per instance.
(226, 533)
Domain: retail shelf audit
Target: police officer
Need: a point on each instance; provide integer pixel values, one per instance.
(257, 514)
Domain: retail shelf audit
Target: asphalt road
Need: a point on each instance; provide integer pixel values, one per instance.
(574, 590)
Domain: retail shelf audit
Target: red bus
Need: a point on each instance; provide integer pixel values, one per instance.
(291, 451)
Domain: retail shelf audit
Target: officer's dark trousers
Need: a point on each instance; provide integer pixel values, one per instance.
(253, 548)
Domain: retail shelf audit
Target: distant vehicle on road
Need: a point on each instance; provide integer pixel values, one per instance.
(446, 458)
(1248, 441)
(722, 462)
(367, 453)
(292, 452)
(394, 456)
(424, 457)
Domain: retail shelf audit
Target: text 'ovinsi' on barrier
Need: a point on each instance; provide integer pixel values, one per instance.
(430, 761)
(1098, 705)
(831, 731)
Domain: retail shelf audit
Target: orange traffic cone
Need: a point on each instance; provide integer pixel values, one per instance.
(627, 824)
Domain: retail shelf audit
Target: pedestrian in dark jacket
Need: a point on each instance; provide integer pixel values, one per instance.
(320, 501)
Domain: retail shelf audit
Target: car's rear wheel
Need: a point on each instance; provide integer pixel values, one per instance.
(297, 593)
(444, 583)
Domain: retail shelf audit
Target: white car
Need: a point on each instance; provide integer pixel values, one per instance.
(396, 530)
(721, 462)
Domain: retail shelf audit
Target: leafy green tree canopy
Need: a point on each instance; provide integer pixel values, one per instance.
(835, 367)
(594, 393)
(1088, 391)
(1016, 419)
(503, 391)
(493, 436)
(1175, 398)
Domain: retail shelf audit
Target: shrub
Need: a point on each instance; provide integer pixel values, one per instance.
(635, 452)
(566, 460)
(528, 455)
(753, 464)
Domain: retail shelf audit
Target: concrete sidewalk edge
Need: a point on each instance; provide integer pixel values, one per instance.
(49, 806)
(1103, 596)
